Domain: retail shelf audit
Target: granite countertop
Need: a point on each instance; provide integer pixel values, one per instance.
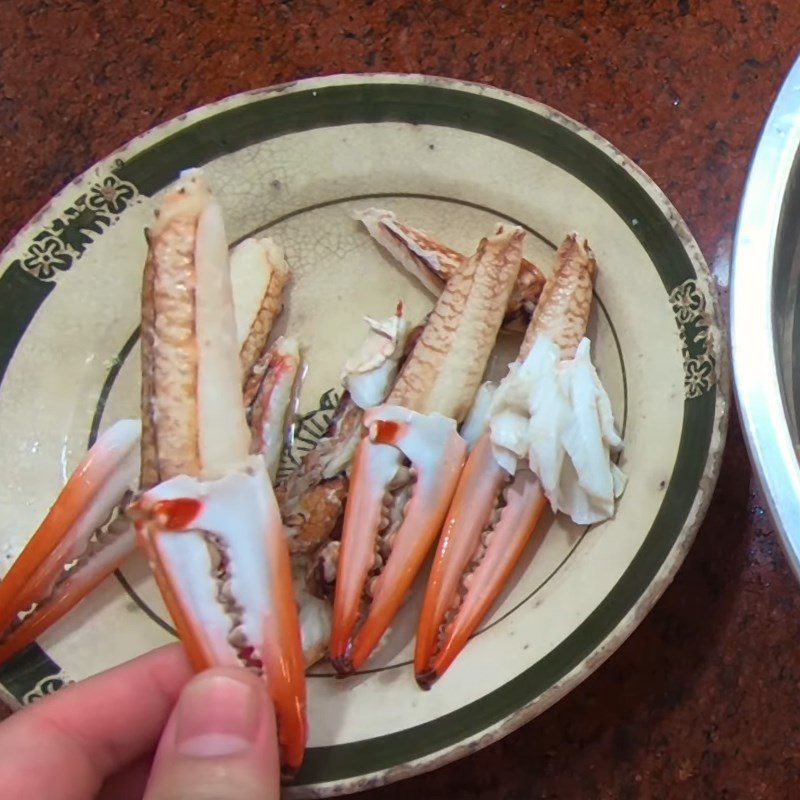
(700, 702)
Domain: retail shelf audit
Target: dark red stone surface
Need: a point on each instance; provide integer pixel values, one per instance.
(702, 701)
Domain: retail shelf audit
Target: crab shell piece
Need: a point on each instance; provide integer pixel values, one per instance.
(259, 274)
(434, 263)
(269, 397)
(444, 370)
(192, 404)
(432, 394)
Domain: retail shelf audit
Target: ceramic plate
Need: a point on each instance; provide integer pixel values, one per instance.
(295, 161)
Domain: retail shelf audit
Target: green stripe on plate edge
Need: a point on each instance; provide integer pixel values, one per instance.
(232, 129)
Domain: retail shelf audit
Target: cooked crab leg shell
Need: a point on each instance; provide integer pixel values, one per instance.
(437, 382)
(434, 263)
(449, 358)
(251, 619)
(433, 446)
(468, 524)
(494, 514)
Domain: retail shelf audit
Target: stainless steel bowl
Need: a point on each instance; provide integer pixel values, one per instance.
(765, 321)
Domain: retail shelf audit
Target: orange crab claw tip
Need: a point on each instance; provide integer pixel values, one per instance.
(447, 623)
(425, 680)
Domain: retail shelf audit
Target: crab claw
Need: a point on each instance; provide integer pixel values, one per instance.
(552, 408)
(243, 613)
(210, 525)
(77, 545)
(489, 523)
(383, 488)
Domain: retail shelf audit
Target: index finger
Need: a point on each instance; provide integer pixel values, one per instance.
(64, 746)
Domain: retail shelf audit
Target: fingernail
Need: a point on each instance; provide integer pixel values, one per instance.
(218, 715)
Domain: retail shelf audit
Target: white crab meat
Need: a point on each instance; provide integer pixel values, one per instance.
(476, 423)
(556, 415)
(369, 374)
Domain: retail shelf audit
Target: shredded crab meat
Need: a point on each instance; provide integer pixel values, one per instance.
(556, 414)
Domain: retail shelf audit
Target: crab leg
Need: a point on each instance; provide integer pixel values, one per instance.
(259, 274)
(406, 468)
(87, 535)
(433, 263)
(495, 509)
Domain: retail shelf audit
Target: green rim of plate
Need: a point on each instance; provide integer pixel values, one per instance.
(238, 122)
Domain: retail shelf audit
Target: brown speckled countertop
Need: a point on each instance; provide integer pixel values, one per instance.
(702, 701)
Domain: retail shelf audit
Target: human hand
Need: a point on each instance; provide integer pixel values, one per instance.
(97, 738)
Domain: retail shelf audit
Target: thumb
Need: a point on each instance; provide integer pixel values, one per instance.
(220, 742)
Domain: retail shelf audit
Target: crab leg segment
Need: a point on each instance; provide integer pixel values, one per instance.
(74, 549)
(272, 385)
(192, 406)
(497, 503)
(406, 469)
(259, 274)
(433, 263)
